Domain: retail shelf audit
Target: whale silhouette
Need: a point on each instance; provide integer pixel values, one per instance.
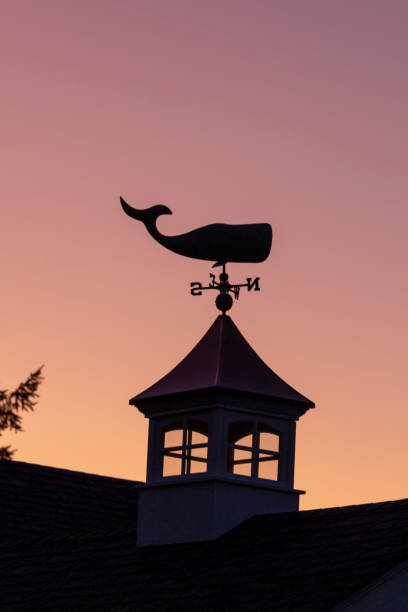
(219, 242)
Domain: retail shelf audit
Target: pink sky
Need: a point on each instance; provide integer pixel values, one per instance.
(288, 112)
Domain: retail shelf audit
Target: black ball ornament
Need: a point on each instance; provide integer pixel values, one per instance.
(223, 302)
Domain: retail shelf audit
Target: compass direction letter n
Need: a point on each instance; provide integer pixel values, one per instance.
(253, 284)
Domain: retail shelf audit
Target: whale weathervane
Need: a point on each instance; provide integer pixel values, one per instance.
(218, 242)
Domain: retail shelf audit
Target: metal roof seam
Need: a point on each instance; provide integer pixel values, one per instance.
(218, 354)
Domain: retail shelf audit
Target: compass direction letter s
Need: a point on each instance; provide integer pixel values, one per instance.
(196, 289)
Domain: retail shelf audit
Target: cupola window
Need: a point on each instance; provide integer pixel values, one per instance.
(185, 448)
(253, 450)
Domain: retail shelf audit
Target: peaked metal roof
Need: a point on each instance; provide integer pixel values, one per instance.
(224, 359)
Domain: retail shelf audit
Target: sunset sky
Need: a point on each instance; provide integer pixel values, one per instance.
(287, 112)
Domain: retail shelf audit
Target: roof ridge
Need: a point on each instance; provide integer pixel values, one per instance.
(68, 471)
(317, 513)
(219, 352)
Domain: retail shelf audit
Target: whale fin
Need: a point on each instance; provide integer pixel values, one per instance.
(132, 212)
(147, 216)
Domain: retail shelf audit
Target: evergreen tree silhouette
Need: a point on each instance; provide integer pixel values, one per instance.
(13, 403)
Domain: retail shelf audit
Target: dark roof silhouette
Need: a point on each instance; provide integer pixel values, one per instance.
(38, 498)
(69, 543)
(224, 359)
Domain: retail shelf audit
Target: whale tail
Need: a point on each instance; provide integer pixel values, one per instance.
(147, 216)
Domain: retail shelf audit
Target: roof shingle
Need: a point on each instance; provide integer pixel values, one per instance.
(298, 561)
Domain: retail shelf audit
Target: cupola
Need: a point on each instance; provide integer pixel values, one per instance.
(221, 443)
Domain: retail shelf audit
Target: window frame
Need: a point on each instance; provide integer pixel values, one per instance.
(255, 429)
(184, 451)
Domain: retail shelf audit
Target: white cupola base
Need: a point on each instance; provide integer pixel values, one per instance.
(205, 508)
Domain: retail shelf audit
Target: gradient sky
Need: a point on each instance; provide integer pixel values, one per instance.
(288, 112)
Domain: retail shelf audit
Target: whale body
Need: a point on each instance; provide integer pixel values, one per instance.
(218, 242)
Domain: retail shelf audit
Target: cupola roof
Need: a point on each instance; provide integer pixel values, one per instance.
(223, 359)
